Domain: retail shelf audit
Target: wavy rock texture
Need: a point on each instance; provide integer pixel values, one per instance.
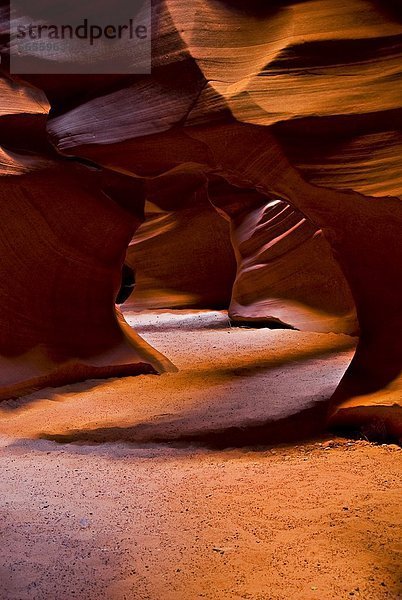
(286, 273)
(182, 258)
(299, 102)
(59, 278)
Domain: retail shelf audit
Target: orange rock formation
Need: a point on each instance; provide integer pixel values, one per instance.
(287, 117)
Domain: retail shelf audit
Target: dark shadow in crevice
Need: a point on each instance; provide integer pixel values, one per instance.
(262, 324)
(127, 284)
(259, 8)
(376, 432)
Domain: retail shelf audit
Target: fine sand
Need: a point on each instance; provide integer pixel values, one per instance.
(212, 482)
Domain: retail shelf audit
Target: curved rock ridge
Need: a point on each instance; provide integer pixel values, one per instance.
(286, 273)
(17, 99)
(358, 162)
(182, 258)
(58, 323)
(363, 233)
(296, 105)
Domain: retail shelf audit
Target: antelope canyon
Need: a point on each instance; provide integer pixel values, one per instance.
(201, 300)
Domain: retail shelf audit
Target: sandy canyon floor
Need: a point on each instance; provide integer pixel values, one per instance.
(212, 482)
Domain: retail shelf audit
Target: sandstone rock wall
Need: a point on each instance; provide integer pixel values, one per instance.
(297, 101)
